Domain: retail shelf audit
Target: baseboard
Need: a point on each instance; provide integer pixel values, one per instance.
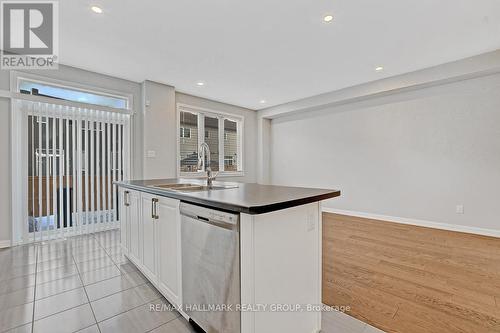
(416, 222)
(4, 243)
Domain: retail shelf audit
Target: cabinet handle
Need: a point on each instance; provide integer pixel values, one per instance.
(126, 198)
(155, 209)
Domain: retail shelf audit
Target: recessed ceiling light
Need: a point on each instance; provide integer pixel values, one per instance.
(328, 18)
(262, 101)
(96, 9)
(379, 68)
(200, 83)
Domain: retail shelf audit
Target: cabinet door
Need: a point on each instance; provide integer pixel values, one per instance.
(148, 239)
(168, 248)
(123, 213)
(134, 224)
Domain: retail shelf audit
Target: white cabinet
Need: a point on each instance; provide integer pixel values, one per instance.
(268, 278)
(150, 226)
(130, 224)
(123, 212)
(148, 203)
(168, 246)
(151, 240)
(135, 227)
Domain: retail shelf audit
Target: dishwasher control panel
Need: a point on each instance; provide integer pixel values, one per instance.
(222, 217)
(209, 214)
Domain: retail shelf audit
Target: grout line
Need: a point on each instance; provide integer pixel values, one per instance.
(86, 285)
(122, 273)
(105, 250)
(61, 292)
(17, 276)
(55, 313)
(25, 287)
(125, 273)
(70, 254)
(66, 256)
(17, 289)
(14, 329)
(146, 282)
(86, 294)
(96, 269)
(135, 307)
(138, 306)
(36, 300)
(177, 317)
(64, 277)
(92, 270)
(81, 329)
(73, 253)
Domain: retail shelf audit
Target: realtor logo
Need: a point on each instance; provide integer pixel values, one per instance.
(29, 34)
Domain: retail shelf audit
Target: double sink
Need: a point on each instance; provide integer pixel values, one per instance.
(192, 187)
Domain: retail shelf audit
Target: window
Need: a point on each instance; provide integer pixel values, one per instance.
(222, 133)
(229, 161)
(185, 132)
(231, 145)
(212, 125)
(188, 144)
(71, 94)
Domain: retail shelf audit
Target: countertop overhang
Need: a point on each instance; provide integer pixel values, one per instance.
(249, 198)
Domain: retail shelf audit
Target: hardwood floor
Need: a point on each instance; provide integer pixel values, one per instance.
(410, 279)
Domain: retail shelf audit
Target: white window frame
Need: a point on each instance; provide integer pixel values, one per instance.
(202, 112)
(18, 77)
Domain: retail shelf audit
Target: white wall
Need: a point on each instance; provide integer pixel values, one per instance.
(412, 154)
(249, 132)
(160, 130)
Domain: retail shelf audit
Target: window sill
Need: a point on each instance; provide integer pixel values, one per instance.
(204, 175)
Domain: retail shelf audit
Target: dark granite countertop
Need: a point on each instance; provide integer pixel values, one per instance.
(247, 198)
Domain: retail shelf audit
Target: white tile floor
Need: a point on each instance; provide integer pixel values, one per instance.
(85, 284)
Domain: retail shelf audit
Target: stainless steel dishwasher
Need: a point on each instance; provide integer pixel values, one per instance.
(211, 268)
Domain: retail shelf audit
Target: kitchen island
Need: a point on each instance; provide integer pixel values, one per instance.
(254, 250)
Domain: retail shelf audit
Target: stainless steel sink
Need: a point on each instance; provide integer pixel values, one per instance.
(174, 186)
(192, 187)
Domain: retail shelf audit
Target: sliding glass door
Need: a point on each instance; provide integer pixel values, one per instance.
(73, 157)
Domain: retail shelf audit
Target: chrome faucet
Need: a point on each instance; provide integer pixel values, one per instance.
(204, 150)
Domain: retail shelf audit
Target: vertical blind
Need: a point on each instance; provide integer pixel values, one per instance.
(74, 156)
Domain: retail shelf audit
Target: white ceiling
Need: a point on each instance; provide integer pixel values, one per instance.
(276, 50)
